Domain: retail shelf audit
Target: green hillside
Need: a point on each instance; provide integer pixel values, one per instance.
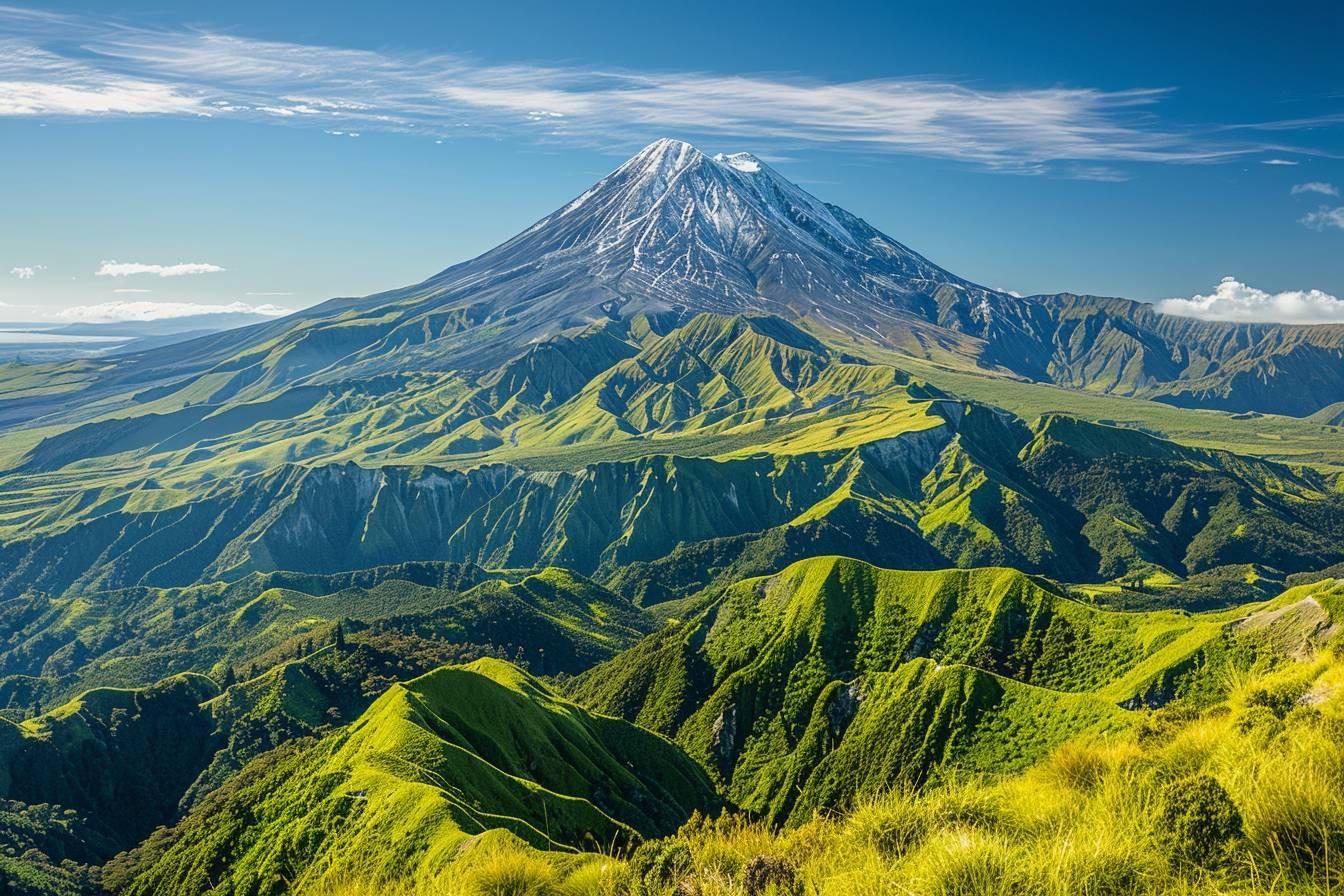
(1240, 797)
(834, 680)
(434, 763)
(955, 485)
(119, 759)
(553, 620)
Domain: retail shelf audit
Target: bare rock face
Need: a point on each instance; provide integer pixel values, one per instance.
(723, 737)
(844, 706)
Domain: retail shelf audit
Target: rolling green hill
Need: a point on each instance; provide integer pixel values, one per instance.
(835, 680)
(432, 764)
(936, 483)
(428, 614)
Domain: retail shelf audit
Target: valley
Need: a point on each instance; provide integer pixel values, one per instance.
(699, 539)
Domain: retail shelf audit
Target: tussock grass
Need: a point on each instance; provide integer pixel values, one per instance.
(1246, 797)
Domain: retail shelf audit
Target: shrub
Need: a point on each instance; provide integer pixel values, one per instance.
(1199, 822)
(502, 872)
(1082, 765)
(770, 875)
(968, 863)
(892, 825)
(596, 877)
(658, 864)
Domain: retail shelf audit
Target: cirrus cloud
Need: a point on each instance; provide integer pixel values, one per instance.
(1233, 300)
(34, 81)
(119, 311)
(130, 268)
(1072, 131)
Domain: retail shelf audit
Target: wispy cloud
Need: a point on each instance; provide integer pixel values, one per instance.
(123, 69)
(1233, 300)
(1277, 162)
(1325, 218)
(131, 291)
(109, 312)
(27, 271)
(131, 268)
(1315, 187)
(36, 82)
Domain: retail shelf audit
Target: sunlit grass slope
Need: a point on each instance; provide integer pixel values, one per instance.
(834, 680)
(1237, 794)
(454, 754)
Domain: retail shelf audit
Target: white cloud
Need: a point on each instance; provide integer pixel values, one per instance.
(1325, 217)
(125, 291)
(129, 268)
(27, 271)
(1235, 301)
(110, 312)
(34, 81)
(1315, 186)
(256, 294)
(1277, 162)
(1073, 131)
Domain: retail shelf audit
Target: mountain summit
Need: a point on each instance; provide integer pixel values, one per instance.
(674, 229)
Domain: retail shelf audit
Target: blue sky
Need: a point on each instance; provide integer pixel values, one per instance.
(158, 159)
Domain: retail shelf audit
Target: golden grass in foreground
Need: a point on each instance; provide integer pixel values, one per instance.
(1246, 798)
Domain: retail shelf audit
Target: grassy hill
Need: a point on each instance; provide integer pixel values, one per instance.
(429, 614)
(952, 485)
(1226, 792)
(1239, 797)
(433, 764)
(834, 680)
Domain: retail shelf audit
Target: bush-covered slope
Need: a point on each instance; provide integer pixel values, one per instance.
(553, 620)
(944, 485)
(453, 754)
(834, 679)
(119, 758)
(1240, 796)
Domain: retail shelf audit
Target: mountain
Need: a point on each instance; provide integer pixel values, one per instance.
(676, 232)
(699, 493)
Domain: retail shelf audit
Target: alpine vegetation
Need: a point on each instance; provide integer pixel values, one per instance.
(700, 539)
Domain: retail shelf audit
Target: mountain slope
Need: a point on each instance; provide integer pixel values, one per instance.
(834, 680)
(449, 756)
(427, 614)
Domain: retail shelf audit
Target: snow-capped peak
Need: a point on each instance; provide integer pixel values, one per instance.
(675, 228)
(740, 161)
(665, 155)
